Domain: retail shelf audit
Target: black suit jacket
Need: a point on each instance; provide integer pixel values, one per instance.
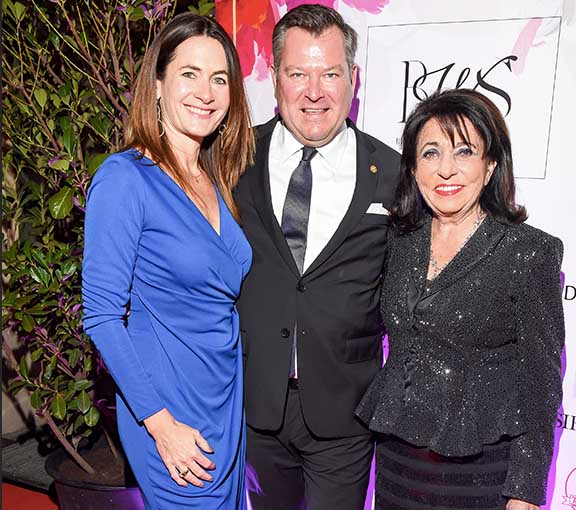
(474, 354)
(334, 303)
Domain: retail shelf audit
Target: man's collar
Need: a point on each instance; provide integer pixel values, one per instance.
(287, 144)
(332, 152)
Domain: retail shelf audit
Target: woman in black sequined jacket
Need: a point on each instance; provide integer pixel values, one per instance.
(467, 400)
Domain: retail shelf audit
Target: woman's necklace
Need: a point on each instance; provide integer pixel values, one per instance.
(435, 266)
(196, 178)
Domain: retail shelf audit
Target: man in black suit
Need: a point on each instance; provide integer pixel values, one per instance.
(314, 208)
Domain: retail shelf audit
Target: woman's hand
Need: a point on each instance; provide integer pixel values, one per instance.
(516, 504)
(180, 448)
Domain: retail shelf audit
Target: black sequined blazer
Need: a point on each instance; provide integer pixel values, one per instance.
(474, 354)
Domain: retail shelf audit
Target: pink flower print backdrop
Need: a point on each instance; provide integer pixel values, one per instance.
(255, 20)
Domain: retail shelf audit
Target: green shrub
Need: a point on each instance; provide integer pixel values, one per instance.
(68, 68)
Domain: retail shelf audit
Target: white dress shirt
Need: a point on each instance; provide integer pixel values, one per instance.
(333, 182)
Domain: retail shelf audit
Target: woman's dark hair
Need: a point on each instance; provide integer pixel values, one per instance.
(225, 153)
(450, 108)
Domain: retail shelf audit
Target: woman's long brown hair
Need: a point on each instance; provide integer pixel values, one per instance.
(224, 156)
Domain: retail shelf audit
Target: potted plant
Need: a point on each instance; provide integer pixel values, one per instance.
(68, 69)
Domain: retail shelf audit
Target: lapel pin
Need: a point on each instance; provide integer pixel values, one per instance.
(373, 168)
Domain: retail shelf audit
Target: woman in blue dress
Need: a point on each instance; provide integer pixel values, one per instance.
(164, 260)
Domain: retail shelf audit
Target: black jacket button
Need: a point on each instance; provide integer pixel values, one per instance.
(285, 332)
(301, 287)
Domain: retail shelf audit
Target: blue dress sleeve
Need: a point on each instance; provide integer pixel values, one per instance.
(114, 221)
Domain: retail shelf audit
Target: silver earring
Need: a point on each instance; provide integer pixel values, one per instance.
(159, 117)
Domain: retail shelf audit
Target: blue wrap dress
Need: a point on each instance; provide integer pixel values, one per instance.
(148, 247)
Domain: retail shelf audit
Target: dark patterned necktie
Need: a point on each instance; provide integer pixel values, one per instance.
(297, 207)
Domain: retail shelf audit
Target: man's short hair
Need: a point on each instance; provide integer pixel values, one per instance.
(314, 18)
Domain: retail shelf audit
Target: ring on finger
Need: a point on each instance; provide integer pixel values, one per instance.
(184, 472)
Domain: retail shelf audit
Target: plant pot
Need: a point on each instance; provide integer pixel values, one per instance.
(111, 487)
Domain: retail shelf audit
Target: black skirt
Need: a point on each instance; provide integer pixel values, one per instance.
(411, 478)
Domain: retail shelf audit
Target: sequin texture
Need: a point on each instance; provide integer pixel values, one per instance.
(474, 355)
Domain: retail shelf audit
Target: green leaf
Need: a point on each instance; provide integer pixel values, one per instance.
(92, 416)
(95, 161)
(20, 302)
(69, 267)
(10, 301)
(50, 368)
(57, 382)
(78, 422)
(25, 109)
(54, 39)
(68, 396)
(40, 275)
(60, 164)
(81, 200)
(73, 357)
(37, 354)
(41, 309)
(60, 204)
(19, 11)
(15, 386)
(136, 14)
(206, 7)
(58, 407)
(7, 4)
(71, 41)
(205, 10)
(39, 257)
(64, 93)
(28, 323)
(82, 385)
(24, 367)
(35, 400)
(56, 101)
(68, 134)
(83, 401)
(27, 249)
(41, 97)
(101, 123)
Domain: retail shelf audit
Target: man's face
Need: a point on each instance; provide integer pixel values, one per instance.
(313, 86)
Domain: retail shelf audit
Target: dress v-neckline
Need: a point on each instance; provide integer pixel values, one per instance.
(217, 231)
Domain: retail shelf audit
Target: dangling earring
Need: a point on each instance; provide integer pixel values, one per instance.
(159, 117)
(221, 130)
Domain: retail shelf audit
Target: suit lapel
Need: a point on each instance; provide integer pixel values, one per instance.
(480, 245)
(260, 185)
(417, 257)
(421, 292)
(366, 185)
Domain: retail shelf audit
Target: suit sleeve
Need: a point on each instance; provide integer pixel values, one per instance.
(540, 329)
(114, 222)
(243, 195)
